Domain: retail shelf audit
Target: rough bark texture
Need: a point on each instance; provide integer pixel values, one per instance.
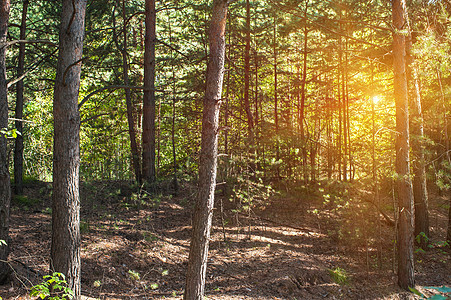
(197, 264)
(5, 191)
(404, 185)
(420, 194)
(65, 250)
(419, 170)
(276, 103)
(448, 236)
(128, 102)
(148, 138)
(18, 148)
(247, 66)
(302, 98)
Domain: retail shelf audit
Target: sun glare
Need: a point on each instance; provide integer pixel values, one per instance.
(376, 99)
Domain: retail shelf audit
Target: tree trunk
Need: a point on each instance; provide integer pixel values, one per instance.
(5, 190)
(405, 195)
(343, 63)
(276, 112)
(339, 146)
(148, 137)
(65, 250)
(302, 104)
(128, 101)
(256, 119)
(18, 148)
(448, 236)
(174, 101)
(247, 49)
(202, 219)
(130, 120)
(420, 194)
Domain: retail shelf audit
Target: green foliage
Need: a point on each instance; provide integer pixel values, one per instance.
(53, 288)
(154, 286)
(97, 283)
(339, 276)
(47, 210)
(9, 133)
(443, 176)
(84, 226)
(149, 237)
(422, 237)
(134, 275)
(25, 201)
(2, 242)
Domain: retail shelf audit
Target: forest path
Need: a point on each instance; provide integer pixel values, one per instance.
(133, 249)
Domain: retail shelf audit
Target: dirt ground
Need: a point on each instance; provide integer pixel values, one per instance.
(135, 247)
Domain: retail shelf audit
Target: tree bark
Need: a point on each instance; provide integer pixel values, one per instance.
(5, 190)
(65, 249)
(404, 186)
(202, 219)
(128, 99)
(302, 103)
(174, 101)
(276, 103)
(18, 147)
(148, 137)
(420, 194)
(448, 236)
(247, 49)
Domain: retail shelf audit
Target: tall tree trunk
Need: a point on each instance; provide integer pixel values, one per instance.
(404, 186)
(343, 63)
(148, 138)
(302, 104)
(5, 190)
(227, 93)
(448, 236)
(128, 97)
(65, 250)
(174, 102)
(203, 213)
(256, 101)
(420, 194)
(447, 154)
(329, 132)
(128, 101)
(340, 119)
(276, 112)
(345, 104)
(247, 66)
(18, 147)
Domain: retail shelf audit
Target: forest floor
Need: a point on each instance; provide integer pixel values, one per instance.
(299, 247)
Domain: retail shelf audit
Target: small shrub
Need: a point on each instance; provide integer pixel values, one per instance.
(154, 286)
(24, 201)
(339, 276)
(84, 227)
(54, 288)
(97, 283)
(134, 275)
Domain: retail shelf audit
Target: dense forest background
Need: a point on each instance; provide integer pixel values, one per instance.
(307, 111)
(311, 67)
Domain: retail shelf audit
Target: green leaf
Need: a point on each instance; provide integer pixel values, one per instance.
(416, 292)
(154, 286)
